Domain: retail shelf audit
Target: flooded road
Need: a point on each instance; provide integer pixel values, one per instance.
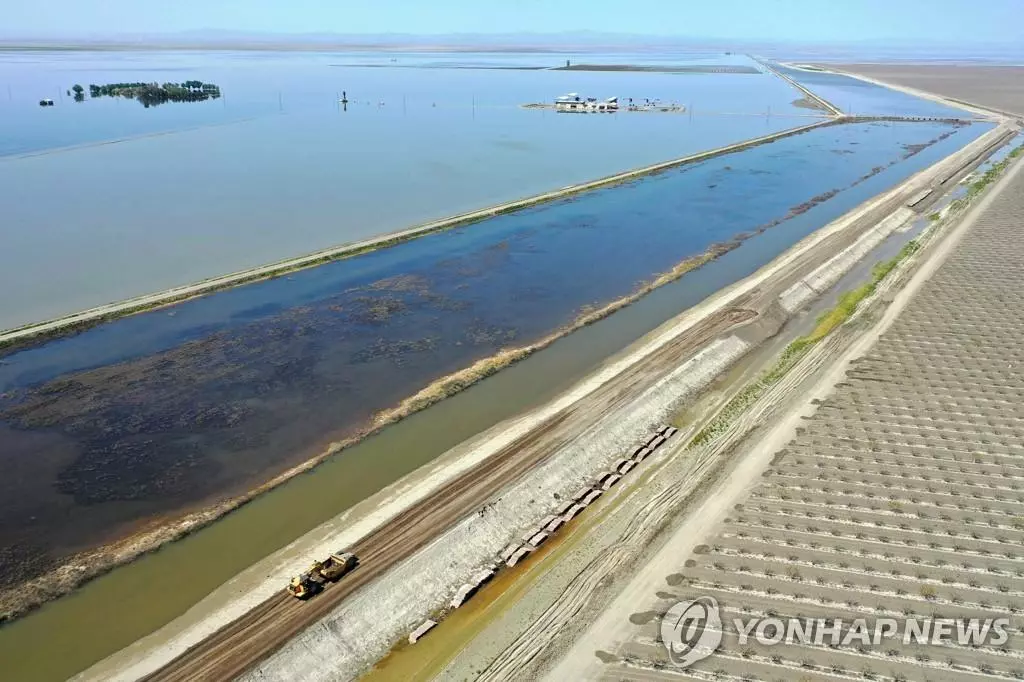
(232, 400)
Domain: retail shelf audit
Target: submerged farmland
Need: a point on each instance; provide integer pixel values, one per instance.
(152, 416)
(857, 97)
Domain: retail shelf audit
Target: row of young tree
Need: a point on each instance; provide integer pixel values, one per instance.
(152, 94)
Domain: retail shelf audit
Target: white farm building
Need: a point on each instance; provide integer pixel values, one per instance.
(573, 103)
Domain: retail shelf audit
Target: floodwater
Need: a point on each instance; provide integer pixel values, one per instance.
(278, 168)
(857, 97)
(230, 387)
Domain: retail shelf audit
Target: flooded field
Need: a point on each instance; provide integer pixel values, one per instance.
(158, 413)
(259, 84)
(277, 167)
(595, 236)
(861, 98)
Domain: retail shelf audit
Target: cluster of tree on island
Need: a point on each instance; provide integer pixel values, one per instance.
(152, 94)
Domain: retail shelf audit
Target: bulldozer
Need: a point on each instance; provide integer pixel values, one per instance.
(312, 582)
(304, 586)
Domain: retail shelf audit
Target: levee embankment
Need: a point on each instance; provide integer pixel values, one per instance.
(829, 273)
(88, 318)
(817, 99)
(576, 439)
(366, 626)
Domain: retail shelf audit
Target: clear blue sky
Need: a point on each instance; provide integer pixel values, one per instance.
(978, 21)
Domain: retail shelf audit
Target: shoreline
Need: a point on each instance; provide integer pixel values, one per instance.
(28, 334)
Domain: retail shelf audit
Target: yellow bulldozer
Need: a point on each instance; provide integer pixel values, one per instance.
(320, 573)
(304, 586)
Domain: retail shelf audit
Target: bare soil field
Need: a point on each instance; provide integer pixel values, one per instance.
(901, 495)
(998, 87)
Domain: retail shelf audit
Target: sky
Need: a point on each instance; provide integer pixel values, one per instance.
(815, 21)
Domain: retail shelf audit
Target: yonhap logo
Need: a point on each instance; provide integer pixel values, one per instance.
(691, 631)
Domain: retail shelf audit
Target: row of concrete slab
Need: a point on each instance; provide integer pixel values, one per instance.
(565, 512)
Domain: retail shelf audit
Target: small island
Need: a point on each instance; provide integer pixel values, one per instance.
(153, 94)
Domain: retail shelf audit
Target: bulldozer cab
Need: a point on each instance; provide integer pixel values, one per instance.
(302, 586)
